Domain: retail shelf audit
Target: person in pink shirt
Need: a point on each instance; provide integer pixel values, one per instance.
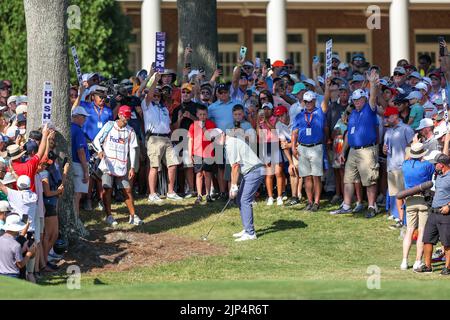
(270, 152)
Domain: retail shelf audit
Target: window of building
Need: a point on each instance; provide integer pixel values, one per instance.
(134, 58)
(297, 47)
(426, 42)
(346, 43)
(229, 44)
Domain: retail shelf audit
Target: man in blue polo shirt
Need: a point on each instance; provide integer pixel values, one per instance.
(308, 135)
(362, 159)
(221, 113)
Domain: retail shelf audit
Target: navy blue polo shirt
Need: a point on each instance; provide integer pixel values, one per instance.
(310, 126)
(78, 142)
(362, 127)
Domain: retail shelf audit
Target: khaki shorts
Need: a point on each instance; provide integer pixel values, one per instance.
(78, 184)
(416, 212)
(310, 161)
(362, 164)
(396, 183)
(160, 149)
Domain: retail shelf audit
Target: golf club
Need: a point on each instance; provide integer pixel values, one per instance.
(205, 237)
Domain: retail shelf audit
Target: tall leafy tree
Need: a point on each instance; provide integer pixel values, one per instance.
(101, 41)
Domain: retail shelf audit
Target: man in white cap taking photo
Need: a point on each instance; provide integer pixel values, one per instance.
(11, 258)
(425, 135)
(243, 161)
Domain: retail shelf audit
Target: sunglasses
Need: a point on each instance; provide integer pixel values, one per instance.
(263, 98)
(205, 92)
(398, 74)
(185, 92)
(222, 92)
(247, 67)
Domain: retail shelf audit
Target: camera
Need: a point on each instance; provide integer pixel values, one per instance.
(237, 124)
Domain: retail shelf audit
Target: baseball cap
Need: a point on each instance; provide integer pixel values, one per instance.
(310, 81)
(421, 86)
(415, 74)
(414, 95)
(344, 87)
(21, 109)
(436, 74)
(335, 56)
(426, 80)
(441, 130)
(23, 182)
(425, 123)
(267, 105)
(99, 90)
(440, 115)
(280, 110)
(442, 159)
(400, 70)
(21, 99)
(401, 98)
(248, 63)
(206, 85)
(298, 87)
(125, 111)
(4, 206)
(278, 64)
(432, 155)
(357, 78)
(11, 99)
(438, 102)
(309, 96)
(358, 56)
(31, 146)
(343, 65)
(358, 94)
(79, 111)
(390, 111)
(186, 86)
(222, 86)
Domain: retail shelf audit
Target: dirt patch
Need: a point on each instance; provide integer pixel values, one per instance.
(123, 250)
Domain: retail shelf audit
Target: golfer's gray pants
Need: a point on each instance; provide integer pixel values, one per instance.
(249, 186)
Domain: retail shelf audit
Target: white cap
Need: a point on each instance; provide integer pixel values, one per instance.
(310, 82)
(13, 223)
(8, 178)
(268, 105)
(400, 69)
(79, 111)
(415, 74)
(11, 99)
(4, 206)
(343, 65)
(358, 94)
(335, 56)
(21, 109)
(414, 95)
(421, 86)
(441, 130)
(425, 123)
(432, 155)
(213, 133)
(309, 96)
(427, 80)
(23, 182)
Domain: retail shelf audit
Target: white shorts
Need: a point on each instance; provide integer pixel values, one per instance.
(310, 161)
(78, 184)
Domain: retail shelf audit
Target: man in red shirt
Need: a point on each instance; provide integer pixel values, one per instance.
(201, 150)
(29, 167)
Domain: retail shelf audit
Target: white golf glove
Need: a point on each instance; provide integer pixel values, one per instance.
(234, 191)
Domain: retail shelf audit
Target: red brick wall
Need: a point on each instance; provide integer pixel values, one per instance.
(312, 20)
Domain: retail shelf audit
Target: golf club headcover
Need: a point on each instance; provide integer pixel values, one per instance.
(415, 190)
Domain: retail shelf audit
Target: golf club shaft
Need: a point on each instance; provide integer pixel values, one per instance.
(217, 218)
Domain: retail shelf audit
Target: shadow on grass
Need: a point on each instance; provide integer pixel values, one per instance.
(282, 225)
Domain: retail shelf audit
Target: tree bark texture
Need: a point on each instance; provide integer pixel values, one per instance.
(47, 51)
(197, 26)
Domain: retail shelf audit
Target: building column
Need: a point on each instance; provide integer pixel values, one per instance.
(398, 31)
(150, 24)
(276, 30)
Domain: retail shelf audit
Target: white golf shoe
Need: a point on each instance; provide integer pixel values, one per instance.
(246, 237)
(239, 234)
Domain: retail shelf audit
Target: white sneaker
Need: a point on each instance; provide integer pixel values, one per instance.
(239, 234)
(110, 220)
(174, 196)
(417, 265)
(391, 217)
(246, 237)
(154, 198)
(404, 265)
(135, 220)
(279, 201)
(100, 206)
(270, 201)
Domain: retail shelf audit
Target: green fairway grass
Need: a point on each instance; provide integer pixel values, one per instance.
(297, 255)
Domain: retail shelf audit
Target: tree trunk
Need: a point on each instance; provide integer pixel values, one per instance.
(47, 51)
(197, 26)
